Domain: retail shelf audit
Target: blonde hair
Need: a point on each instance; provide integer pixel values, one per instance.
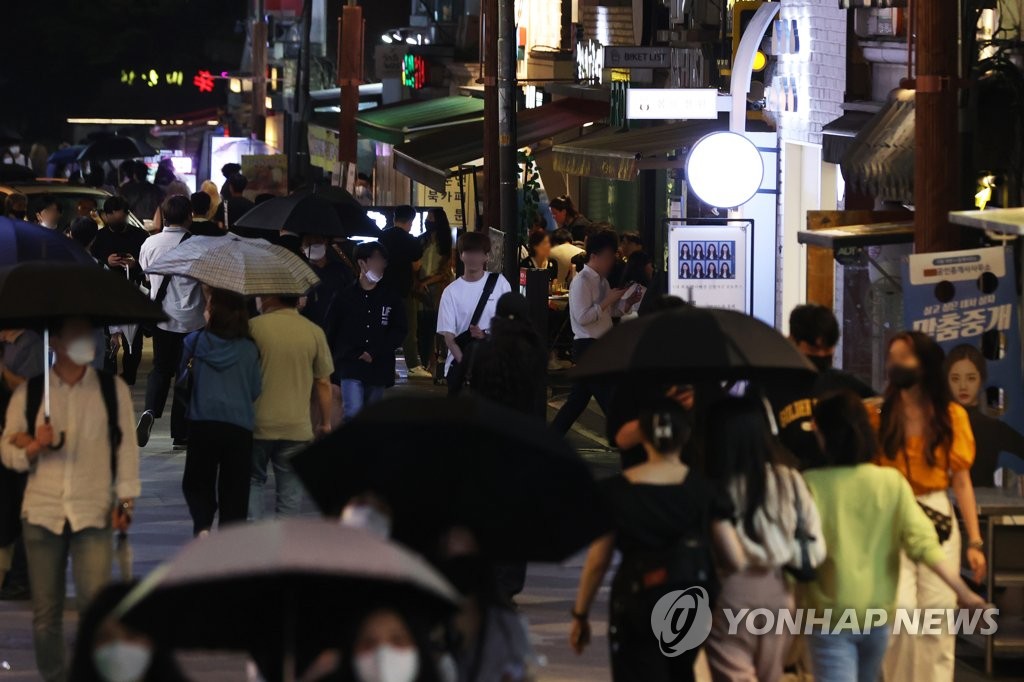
(208, 187)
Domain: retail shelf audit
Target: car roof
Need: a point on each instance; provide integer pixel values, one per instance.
(56, 187)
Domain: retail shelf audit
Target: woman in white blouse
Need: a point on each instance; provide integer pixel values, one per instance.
(741, 456)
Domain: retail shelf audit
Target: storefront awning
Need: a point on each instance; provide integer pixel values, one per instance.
(837, 136)
(880, 161)
(857, 4)
(429, 158)
(398, 123)
(622, 154)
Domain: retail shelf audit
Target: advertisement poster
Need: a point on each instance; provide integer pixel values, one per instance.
(224, 150)
(323, 150)
(267, 174)
(708, 265)
(451, 199)
(967, 301)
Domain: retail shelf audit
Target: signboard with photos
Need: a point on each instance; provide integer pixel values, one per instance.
(709, 264)
(967, 301)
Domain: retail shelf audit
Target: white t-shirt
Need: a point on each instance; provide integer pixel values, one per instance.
(459, 301)
(564, 253)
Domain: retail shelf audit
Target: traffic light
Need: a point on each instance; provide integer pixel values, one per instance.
(742, 12)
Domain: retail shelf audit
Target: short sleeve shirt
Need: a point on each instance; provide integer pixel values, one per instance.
(293, 354)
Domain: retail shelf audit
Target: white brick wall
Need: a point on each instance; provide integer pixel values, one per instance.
(820, 73)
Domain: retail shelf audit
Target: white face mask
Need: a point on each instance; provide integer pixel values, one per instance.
(316, 251)
(373, 277)
(122, 661)
(82, 351)
(388, 664)
(15, 150)
(366, 517)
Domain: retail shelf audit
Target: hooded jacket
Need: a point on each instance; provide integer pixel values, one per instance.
(225, 378)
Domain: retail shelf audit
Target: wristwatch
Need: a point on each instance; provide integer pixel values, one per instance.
(976, 544)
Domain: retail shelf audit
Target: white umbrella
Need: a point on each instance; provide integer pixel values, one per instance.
(251, 267)
(267, 587)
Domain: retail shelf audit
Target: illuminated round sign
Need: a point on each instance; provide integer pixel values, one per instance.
(724, 170)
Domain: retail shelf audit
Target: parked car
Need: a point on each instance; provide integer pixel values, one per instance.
(66, 194)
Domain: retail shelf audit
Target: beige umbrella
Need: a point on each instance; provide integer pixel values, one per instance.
(266, 587)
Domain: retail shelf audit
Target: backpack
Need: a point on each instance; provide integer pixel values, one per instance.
(108, 389)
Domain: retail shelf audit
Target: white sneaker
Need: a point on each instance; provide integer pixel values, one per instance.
(420, 372)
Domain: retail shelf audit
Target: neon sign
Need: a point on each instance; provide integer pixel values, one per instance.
(414, 71)
(204, 80)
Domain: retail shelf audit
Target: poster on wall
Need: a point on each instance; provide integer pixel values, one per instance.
(267, 174)
(224, 150)
(451, 199)
(323, 150)
(967, 301)
(708, 265)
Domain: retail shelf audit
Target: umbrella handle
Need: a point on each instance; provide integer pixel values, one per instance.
(60, 443)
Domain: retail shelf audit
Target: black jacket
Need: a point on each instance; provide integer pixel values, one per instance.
(128, 240)
(403, 251)
(366, 322)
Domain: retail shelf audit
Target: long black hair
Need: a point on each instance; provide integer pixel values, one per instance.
(740, 446)
(842, 422)
(510, 367)
(162, 667)
(664, 426)
(935, 388)
(440, 232)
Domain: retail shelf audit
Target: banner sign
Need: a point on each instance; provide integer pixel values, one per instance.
(451, 199)
(637, 57)
(708, 265)
(672, 103)
(266, 173)
(967, 301)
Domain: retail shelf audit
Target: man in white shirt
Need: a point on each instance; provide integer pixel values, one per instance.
(183, 303)
(592, 303)
(76, 470)
(563, 251)
(462, 297)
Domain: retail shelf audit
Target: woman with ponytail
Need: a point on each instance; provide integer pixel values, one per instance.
(666, 520)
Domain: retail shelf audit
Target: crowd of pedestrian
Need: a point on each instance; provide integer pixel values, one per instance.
(763, 495)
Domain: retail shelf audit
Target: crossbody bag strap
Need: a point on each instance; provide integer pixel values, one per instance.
(161, 292)
(492, 281)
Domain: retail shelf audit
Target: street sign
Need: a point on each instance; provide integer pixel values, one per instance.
(676, 103)
(637, 57)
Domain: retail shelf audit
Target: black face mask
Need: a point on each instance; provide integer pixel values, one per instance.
(117, 227)
(820, 362)
(904, 377)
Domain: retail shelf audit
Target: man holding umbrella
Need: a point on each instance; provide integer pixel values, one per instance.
(77, 468)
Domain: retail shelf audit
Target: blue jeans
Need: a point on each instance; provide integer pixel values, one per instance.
(91, 551)
(356, 395)
(289, 487)
(846, 657)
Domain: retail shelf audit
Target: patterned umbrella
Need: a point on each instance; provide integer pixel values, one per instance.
(251, 267)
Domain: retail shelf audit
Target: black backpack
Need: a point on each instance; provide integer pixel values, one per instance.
(108, 389)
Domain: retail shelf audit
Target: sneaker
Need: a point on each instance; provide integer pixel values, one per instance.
(145, 428)
(15, 593)
(420, 373)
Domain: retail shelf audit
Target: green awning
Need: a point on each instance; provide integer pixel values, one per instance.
(622, 154)
(398, 123)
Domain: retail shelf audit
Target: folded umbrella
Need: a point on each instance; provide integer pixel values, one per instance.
(443, 462)
(269, 587)
(300, 212)
(690, 343)
(250, 267)
(21, 241)
(115, 147)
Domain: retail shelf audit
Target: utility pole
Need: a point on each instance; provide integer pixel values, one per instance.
(350, 75)
(508, 147)
(936, 134)
(258, 38)
(298, 163)
(492, 183)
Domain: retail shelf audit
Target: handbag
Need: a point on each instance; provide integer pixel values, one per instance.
(800, 567)
(943, 522)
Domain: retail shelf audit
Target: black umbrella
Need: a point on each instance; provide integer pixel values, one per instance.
(350, 211)
(115, 147)
(299, 212)
(443, 462)
(38, 294)
(689, 343)
(21, 241)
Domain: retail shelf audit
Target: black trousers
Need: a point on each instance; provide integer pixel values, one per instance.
(167, 349)
(580, 393)
(217, 468)
(130, 360)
